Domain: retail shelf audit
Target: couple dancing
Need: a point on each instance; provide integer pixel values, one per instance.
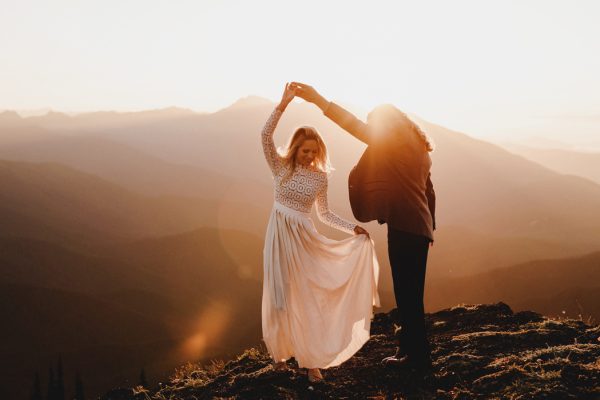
(319, 293)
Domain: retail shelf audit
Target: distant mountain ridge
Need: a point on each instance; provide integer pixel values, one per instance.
(116, 162)
(486, 195)
(557, 287)
(480, 186)
(571, 162)
(80, 205)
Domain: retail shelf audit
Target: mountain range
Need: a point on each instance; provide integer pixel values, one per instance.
(584, 164)
(157, 218)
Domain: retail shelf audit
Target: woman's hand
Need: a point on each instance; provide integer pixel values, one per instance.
(358, 230)
(288, 95)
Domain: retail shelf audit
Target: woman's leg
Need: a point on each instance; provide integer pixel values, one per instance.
(314, 375)
(279, 365)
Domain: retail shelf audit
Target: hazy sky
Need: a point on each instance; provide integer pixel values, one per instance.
(493, 69)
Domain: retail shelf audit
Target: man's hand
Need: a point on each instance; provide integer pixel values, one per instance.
(309, 94)
(358, 230)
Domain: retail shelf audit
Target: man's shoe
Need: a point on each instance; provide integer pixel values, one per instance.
(406, 361)
(398, 354)
(396, 361)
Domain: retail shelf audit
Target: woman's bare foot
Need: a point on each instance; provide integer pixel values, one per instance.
(279, 366)
(314, 375)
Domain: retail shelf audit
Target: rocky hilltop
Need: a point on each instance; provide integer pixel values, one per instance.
(479, 351)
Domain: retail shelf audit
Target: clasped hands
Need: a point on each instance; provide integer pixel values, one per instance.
(305, 92)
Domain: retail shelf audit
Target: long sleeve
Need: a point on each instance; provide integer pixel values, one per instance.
(430, 193)
(328, 217)
(347, 121)
(271, 155)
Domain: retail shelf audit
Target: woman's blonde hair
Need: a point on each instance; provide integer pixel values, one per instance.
(388, 116)
(301, 135)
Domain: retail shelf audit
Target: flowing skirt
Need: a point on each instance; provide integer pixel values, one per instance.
(318, 293)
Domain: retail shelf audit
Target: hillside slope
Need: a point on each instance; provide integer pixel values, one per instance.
(479, 351)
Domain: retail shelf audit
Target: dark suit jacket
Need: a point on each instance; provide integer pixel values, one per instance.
(392, 181)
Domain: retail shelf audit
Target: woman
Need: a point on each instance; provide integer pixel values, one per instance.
(318, 293)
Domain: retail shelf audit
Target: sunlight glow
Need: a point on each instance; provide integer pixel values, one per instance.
(209, 327)
(490, 68)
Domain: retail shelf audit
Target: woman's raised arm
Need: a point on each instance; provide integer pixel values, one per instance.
(271, 155)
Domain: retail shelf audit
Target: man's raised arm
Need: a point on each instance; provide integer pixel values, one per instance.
(345, 119)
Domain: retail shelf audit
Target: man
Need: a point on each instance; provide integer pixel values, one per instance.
(392, 184)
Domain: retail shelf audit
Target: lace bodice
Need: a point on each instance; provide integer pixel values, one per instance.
(305, 187)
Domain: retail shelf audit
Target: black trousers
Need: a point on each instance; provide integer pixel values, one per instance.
(408, 259)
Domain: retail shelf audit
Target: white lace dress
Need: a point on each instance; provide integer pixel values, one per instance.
(318, 293)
